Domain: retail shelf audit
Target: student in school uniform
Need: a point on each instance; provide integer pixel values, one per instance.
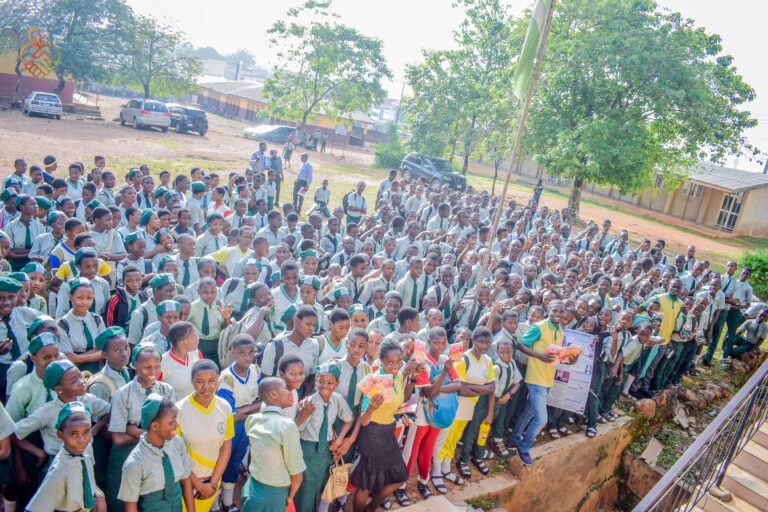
(207, 426)
(159, 452)
(277, 465)
(36, 275)
(125, 419)
(80, 327)
(319, 444)
(69, 484)
(508, 379)
(168, 313)
(331, 344)
(7, 479)
(87, 266)
(297, 341)
(613, 346)
(239, 386)
(177, 362)
(213, 239)
(14, 321)
(209, 318)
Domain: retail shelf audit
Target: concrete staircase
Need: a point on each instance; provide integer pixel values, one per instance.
(746, 479)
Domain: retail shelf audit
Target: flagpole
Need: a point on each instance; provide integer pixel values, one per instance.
(515, 150)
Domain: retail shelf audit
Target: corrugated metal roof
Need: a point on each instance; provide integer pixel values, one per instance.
(727, 179)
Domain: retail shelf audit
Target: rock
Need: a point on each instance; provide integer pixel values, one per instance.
(739, 366)
(708, 395)
(646, 407)
(689, 396)
(660, 398)
(714, 388)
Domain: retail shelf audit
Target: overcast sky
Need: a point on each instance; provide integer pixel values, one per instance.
(408, 26)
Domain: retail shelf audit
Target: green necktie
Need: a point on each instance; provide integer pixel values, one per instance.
(352, 389)
(149, 203)
(87, 491)
(246, 301)
(413, 294)
(322, 436)
(357, 293)
(205, 327)
(216, 241)
(185, 279)
(509, 376)
(133, 306)
(392, 328)
(15, 350)
(88, 338)
(473, 323)
(28, 235)
(126, 375)
(170, 479)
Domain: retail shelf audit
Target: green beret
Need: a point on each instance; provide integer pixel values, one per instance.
(36, 323)
(132, 237)
(33, 266)
(70, 409)
(338, 292)
(52, 215)
(146, 215)
(149, 409)
(197, 187)
(329, 367)
(288, 314)
(161, 280)
(132, 172)
(43, 202)
(45, 339)
(8, 284)
(106, 335)
(61, 199)
(205, 259)
(19, 199)
(78, 282)
(168, 305)
(311, 281)
(7, 194)
(165, 259)
(307, 253)
(85, 252)
(19, 276)
(94, 204)
(160, 232)
(168, 196)
(358, 308)
(54, 371)
(141, 346)
(160, 191)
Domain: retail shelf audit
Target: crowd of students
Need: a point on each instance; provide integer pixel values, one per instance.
(161, 341)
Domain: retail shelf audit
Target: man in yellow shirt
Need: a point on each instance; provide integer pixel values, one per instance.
(669, 304)
(539, 378)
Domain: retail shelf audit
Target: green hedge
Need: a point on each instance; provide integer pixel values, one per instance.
(758, 261)
(389, 155)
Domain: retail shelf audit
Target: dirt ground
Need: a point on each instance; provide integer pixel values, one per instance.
(224, 149)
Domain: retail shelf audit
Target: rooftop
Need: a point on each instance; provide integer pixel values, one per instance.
(727, 179)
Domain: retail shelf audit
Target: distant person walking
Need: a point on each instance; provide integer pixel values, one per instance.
(287, 152)
(303, 180)
(537, 191)
(324, 142)
(276, 164)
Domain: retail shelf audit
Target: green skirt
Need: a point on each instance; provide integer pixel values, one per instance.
(356, 220)
(318, 462)
(117, 456)
(156, 502)
(101, 449)
(259, 497)
(210, 349)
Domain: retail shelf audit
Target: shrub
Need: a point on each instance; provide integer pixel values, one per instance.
(389, 155)
(758, 262)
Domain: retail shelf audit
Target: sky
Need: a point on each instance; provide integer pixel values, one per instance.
(406, 27)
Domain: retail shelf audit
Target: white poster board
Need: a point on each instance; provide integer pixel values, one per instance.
(571, 387)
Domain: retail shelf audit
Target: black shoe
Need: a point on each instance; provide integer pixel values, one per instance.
(402, 498)
(424, 490)
(707, 363)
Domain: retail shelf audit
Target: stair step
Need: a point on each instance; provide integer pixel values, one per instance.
(436, 504)
(712, 504)
(753, 458)
(746, 486)
(761, 436)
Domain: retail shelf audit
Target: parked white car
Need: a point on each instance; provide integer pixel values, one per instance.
(140, 113)
(45, 103)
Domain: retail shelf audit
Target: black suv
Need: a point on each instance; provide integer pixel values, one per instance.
(435, 171)
(184, 118)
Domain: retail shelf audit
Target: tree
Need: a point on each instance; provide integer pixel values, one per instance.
(153, 58)
(243, 56)
(627, 90)
(325, 67)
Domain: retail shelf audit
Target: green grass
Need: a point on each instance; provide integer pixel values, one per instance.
(483, 502)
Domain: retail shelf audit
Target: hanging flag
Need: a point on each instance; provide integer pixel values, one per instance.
(524, 70)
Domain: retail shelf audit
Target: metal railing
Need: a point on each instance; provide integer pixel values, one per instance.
(705, 462)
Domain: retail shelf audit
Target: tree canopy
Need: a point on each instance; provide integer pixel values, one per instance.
(325, 67)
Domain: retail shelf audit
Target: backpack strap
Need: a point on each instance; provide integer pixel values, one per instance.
(102, 378)
(232, 285)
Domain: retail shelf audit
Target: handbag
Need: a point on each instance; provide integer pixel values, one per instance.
(338, 479)
(440, 410)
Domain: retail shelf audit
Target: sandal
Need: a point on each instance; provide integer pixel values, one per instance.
(564, 431)
(602, 419)
(553, 433)
(499, 448)
(424, 490)
(386, 503)
(591, 432)
(453, 478)
(439, 485)
(480, 465)
(402, 498)
(488, 455)
(464, 470)
(611, 416)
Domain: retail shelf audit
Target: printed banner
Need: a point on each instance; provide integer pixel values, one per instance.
(571, 387)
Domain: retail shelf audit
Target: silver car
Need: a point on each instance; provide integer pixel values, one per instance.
(140, 113)
(45, 103)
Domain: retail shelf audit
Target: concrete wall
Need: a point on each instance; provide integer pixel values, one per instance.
(28, 82)
(753, 219)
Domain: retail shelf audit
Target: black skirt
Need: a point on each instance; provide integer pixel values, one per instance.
(381, 461)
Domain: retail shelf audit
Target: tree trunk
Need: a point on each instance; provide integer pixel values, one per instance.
(574, 201)
(453, 151)
(495, 176)
(468, 147)
(60, 86)
(304, 120)
(146, 91)
(17, 88)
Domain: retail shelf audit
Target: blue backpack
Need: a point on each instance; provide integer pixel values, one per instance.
(440, 410)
